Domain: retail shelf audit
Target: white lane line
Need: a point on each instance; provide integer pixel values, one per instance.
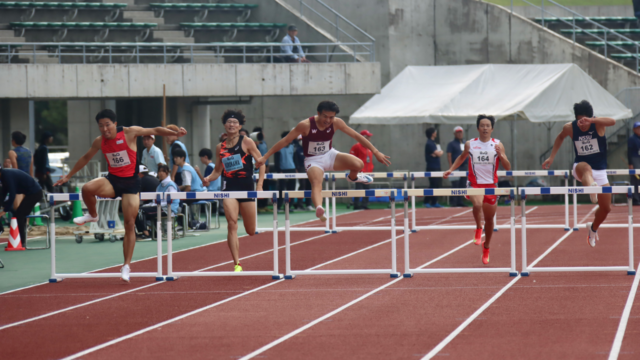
(114, 341)
(462, 326)
(622, 327)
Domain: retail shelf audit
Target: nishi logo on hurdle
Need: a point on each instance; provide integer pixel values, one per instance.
(412, 193)
(273, 195)
(628, 190)
(57, 277)
(391, 193)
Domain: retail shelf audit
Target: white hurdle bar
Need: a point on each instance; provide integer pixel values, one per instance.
(513, 173)
(578, 190)
(57, 277)
(290, 274)
(220, 195)
(458, 192)
(326, 229)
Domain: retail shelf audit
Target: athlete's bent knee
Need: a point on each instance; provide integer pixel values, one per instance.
(359, 164)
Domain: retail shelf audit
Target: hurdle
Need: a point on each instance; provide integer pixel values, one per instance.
(564, 173)
(326, 229)
(577, 190)
(57, 277)
(458, 192)
(218, 195)
(291, 274)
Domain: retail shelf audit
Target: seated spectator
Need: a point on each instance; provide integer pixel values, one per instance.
(149, 212)
(206, 156)
(191, 181)
(148, 182)
(289, 42)
(151, 155)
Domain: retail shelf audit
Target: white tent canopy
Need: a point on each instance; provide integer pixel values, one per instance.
(457, 94)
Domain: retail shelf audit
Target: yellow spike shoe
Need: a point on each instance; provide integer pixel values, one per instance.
(237, 268)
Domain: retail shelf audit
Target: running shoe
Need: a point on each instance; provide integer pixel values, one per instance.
(320, 214)
(593, 236)
(237, 268)
(478, 237)
(594, 197)
(85, 219)
(362, 178)
(125, 273)
(309, 208)
(485, 255)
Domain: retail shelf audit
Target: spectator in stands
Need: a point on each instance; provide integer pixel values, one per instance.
(289, 42)
(151, 155)
(298, 159)
(454, 149)
(175, 144)
(15, 182)
(633, 157)
(636, 9)
(366, 156)
(20, 156)
(149, 212)
(432, 153)
(41, 162)
(285, 164)
(206, 158)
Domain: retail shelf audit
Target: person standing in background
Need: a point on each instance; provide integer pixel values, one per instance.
(298, 159)
(432, 153)
(633, 157)
(366, 156)
(258, 137)
(454, 149)
(20, 156)
(41, 162)
(151, 155)
(285, 164)
(174, 143)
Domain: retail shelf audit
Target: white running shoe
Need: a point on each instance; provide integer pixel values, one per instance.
(594, 197)
(362, 178)
(85, 219)
(593, 236)
(320, 214)
(310, 208)
(125, 273)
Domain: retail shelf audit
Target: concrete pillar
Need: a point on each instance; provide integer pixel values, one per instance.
(18, 117)
(83, 129)
(201, 128)
(182, 116)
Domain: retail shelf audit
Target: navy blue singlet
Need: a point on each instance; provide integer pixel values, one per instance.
(589, 147)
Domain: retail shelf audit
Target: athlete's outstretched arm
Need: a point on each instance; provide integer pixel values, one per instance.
(253, 150)
(506, 164)
(456, 164)
(293, 134)
(342, 126)
(84, 160)
(157, 131)
(217, 171)
(567, 130)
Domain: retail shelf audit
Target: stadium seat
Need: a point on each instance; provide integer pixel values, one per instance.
(64, 27)
(203, 9)
(72, 8)
(233, 28)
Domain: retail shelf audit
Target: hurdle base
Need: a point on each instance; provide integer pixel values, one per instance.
(513, 274)
(413, 231)
(495, 229)
(289, 277)
(327, 232)
(277, 277)
(631, 272)
(159, 278)
(334, 231)
(171, 278)
(567, 229)
(575, 229)
(524, 273)
(55, 280)
(407, 275)
(395, 275)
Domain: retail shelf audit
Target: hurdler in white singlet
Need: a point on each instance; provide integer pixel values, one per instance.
(484, 162)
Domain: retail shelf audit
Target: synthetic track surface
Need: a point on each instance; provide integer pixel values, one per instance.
(575, 315)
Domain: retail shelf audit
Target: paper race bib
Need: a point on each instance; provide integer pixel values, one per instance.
(484, 158)
(318, 147)
(587, 147)
(118, 159)
(232, 163)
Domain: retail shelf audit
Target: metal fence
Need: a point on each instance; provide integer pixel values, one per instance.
(165, 53)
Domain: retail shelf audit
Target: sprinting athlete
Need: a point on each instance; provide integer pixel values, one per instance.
(235, 163)
(590, 164)
(317, 135)
(119, 146)
(486, 154)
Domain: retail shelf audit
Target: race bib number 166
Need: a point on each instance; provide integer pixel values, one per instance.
(118, 159)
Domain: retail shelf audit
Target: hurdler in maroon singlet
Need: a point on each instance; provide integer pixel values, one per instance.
(317, 142)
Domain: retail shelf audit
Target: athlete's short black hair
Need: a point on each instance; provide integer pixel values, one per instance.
(235, 114)
(430, 132)
(206, 152)
(163, 167)
(583, 108)
(482, 117)
(177, 152)
(284, 134)
(18, 137)
(106, 114)
(328, 105)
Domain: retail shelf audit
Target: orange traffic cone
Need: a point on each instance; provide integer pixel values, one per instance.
(14, 237)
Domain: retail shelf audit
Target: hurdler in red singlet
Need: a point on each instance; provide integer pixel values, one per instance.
(122, 164)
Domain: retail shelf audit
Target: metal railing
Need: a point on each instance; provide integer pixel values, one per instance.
(341, 26)
(164, 53)
(607, 32)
